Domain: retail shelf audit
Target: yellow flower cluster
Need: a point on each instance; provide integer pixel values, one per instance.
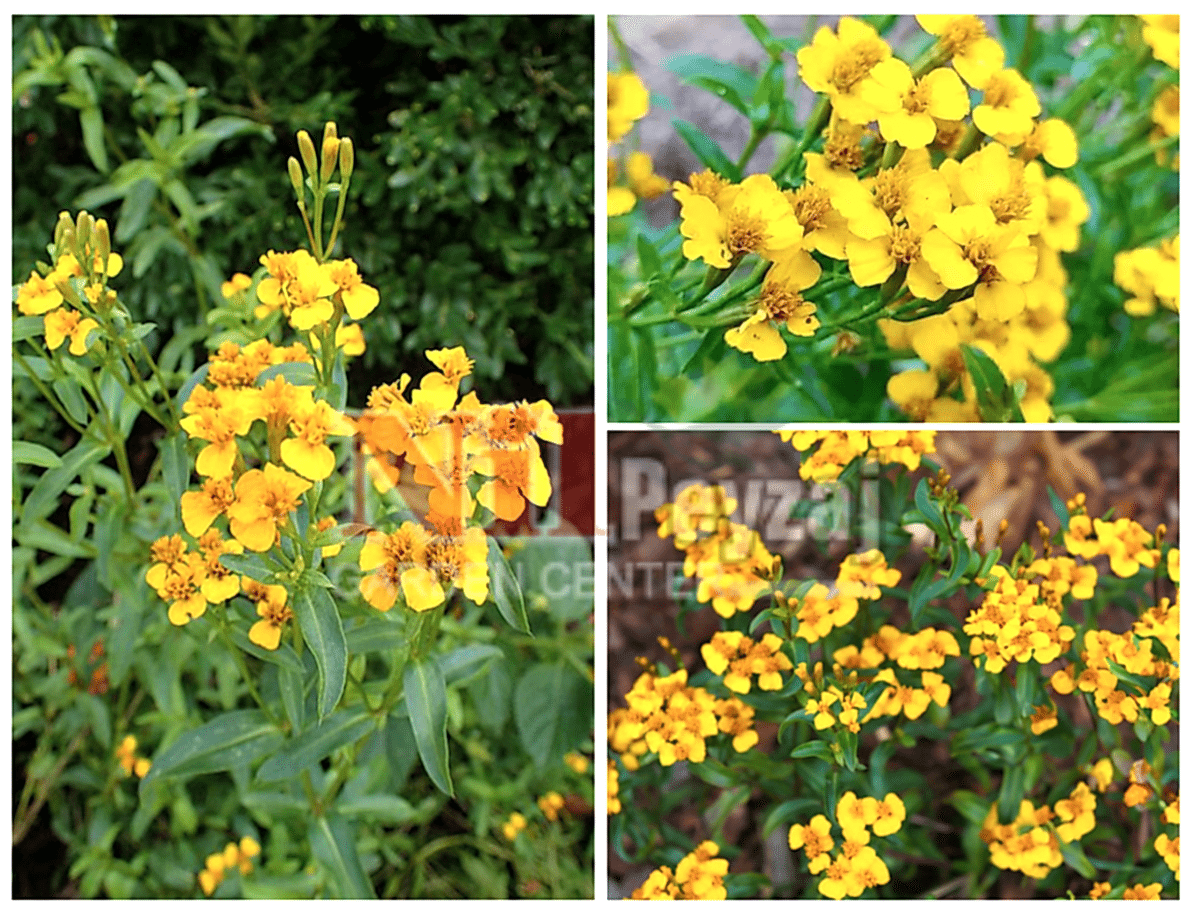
(131, 763)
(1016, 622)
(449, 442)
(551, 804)
(312, 293)
(614, 788)
(833, 450)
(1150, 275)
(1134, 652)
(513, 826)
(628, 101)
(730, 561)
(215, 865)
(672, 720)
(855, 866)
(233, 415)
(1030, 844)
(739, 657)
(84, 264)
(863, 574)
(950, 212)
(699, 875)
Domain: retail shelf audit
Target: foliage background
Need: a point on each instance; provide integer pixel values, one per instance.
(472, 202)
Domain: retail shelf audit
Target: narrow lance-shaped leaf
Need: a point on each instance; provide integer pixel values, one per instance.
(505, 589)
(321, 626)
(425, 698)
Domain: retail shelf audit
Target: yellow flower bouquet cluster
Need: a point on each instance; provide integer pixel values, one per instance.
(972, 722)
(920, 247)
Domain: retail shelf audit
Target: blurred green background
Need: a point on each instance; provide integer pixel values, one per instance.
(472, 198)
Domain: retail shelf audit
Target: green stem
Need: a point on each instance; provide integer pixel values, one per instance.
(757, 136)
(812, 130)
(343, 193)
(48, 394)
(1134, 157)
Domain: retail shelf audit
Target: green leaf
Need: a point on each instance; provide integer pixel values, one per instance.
(251, 566)
(321, 626)
(48, 537)
(228, 741)
(71, 395)
(297, 755)
(505, 590)
(91, 120)
(713, 773)
(296, 373)
(818, 749)
(1012, 789)
(728, 82)
(710, 155)
(465, 663)
(1028, 682)
(1060, 509)
(43, 496)
(552, 705)
(710, 348)
(1074, 857)
(789, 811)
(332, 841)
(762, 35)
(26, 327)
(384, 808)
(425, 699)
(24, 452)
(282, 656)
(648, 258)
(997, 399)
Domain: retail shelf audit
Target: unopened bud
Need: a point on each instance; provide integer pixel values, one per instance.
(329, 157)
(346, 157)
(83, 227)
(330, 130)
(103, 243)
(296, 176)
(64, 223)
(308, 153)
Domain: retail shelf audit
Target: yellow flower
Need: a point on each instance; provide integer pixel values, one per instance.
(201, 508)
(779, 303)
(639, 169)
(1138, 891)
(907, 107)
(551, 805)
(235, 285)
(263, 500)
(275, 613)
(38, 295)
(395, 560)
(1161, 33)
(628, 101)
(754, 216)
(1054, 141)
(67, 323)
(306, 451)
(968, 245)
(1008, 108)
(975, 56)
(359, 298)
(839, 64)
(130, 763)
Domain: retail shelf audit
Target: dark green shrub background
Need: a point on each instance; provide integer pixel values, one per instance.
(472, 203)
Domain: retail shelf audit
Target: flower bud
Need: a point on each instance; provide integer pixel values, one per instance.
(296, 176)
(330, 130)
(64, 223)
(329, 156)
(346, 157)
(83, 228)
(308, 153)
(103, 242)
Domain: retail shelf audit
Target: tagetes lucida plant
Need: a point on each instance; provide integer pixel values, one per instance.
(251, 449)
(843, 679)
(919, 219)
